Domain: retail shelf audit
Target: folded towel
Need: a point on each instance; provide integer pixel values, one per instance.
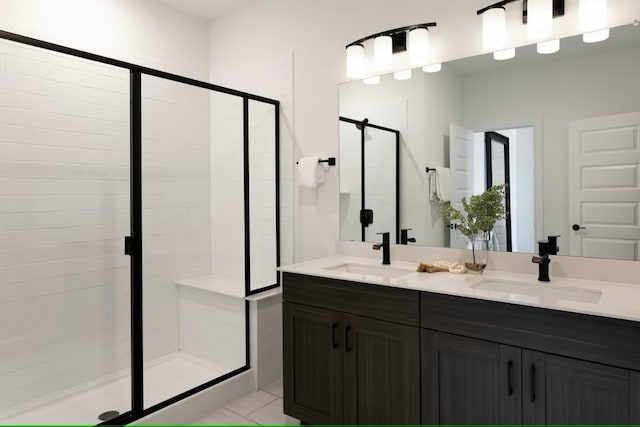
(308, 171)
(439, 182)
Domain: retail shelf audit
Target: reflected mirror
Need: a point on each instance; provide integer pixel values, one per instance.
(563, 130)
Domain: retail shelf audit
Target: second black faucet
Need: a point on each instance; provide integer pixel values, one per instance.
(386, 256)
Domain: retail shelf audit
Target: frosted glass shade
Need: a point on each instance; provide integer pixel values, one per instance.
(503, 55)
(539, 19)
(548, 47)
(494, 28)
(355, 61)
(592, 15)
(402, 75)
(418, 46)
(372, 80)
(433, 68)
(383, 53)
(596, 36)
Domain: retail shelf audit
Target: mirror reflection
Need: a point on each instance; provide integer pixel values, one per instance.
(563, 130)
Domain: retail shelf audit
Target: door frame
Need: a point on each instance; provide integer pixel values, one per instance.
(489, 138)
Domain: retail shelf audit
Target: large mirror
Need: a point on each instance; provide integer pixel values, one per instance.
(563, 129)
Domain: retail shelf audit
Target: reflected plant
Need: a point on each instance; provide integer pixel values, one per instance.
(480, 213)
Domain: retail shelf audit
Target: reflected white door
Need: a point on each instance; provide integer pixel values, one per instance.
(604, 190)
(461, 164)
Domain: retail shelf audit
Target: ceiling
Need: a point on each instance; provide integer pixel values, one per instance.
(208, 10)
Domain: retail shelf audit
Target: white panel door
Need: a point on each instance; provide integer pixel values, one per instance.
(604, 188)
(461, 164)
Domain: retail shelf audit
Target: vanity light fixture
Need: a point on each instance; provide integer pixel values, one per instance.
(593, 20)
(548, 47)
(503, 55)
(433, 68)
(413, 38)
(536, 14)
(402, 75)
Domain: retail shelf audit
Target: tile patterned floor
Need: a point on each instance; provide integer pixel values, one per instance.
(256, 408)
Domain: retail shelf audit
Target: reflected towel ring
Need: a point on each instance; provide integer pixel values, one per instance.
(331, 161)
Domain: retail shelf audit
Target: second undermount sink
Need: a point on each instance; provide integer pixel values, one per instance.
(382, 271)
(538, 291)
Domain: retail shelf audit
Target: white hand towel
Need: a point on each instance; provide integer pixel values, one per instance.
(442, 183)
(308, 171)
(439, 184)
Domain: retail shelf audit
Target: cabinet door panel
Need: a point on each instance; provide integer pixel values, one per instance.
(312, 364)
(577, 392)
(477, 382)
(382, 373)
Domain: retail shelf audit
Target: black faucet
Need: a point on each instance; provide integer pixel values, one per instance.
(553, 248)
(404, 237)
(386, 258)
(542, 260)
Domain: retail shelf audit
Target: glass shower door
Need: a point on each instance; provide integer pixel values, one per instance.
(64, 210)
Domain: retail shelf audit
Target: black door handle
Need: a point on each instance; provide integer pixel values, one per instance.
(533, 383)
(510, 378)
(334, 342)
(577, 227)
(347, 340)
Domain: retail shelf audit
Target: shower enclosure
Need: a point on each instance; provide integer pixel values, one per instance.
(138, 209)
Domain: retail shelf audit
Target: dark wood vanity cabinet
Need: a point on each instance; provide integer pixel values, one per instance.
(346, 366)
(516, 364)
(366, 354)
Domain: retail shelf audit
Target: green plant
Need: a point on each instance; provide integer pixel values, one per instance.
(480, 214)
(481, 211)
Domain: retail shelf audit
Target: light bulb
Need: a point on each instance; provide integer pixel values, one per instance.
(418, 46)
(539, 19)
(494, 28)
(548, 47)
(383, 53)
(402, 75)
(355, 61)
(433, 68)
(502, 55)
(595, 36)
(372, 80)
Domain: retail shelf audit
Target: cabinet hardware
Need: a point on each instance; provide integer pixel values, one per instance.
(334, 343)
(533, 383)
(510, 377)
(347, 341)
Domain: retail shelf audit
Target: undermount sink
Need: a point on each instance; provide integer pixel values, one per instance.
(538, 291)
(383, 271)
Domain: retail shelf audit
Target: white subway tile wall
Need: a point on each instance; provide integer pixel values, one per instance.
(176, 203)
(64, 209)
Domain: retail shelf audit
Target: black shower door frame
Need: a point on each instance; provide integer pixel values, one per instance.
(133, 243)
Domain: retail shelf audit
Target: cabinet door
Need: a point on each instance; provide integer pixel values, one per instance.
(382, 372)
(469, 381)
(561, 390)
(313, 364)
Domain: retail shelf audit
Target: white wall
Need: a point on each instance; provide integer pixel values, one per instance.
(139, 31)
(317, 32)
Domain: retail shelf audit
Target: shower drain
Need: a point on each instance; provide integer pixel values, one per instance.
(106, 416)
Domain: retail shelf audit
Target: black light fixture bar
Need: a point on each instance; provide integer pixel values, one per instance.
(495, 6)
(393, 32)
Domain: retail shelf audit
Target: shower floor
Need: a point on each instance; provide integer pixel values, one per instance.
(164, 378)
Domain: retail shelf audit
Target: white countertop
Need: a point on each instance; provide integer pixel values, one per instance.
(221, 285)
(607, 299)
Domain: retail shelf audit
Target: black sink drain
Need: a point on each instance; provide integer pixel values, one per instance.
(108, 415)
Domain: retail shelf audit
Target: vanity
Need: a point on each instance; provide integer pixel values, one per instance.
(371, 344)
